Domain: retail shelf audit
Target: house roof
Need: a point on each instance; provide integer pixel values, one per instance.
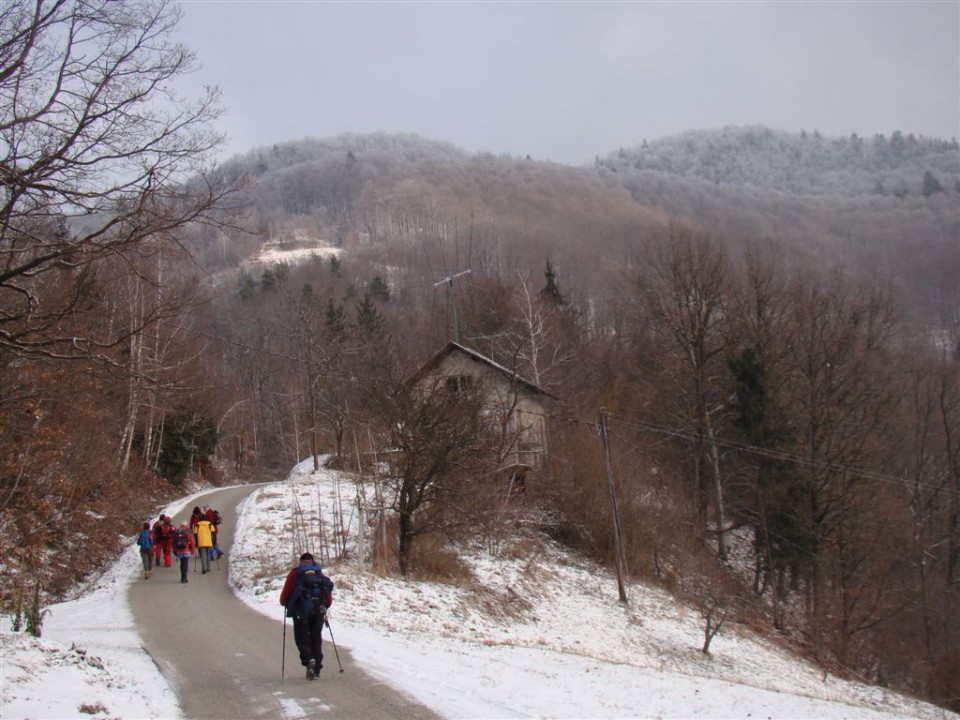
(452, 347)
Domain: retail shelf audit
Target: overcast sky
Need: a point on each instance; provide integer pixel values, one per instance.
(566, 81)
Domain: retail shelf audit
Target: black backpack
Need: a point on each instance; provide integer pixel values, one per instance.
(310, 593)
(181, 539)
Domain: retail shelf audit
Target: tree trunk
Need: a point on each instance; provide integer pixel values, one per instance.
(714, 458)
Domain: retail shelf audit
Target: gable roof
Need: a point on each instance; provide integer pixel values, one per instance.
(453, 347)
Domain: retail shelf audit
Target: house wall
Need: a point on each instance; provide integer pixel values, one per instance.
(527, 416)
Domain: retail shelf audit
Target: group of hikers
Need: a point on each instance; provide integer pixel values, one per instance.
(162, 541)
(306, 594)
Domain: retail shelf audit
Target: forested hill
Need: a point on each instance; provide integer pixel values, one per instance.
(784, 442)
(805, 163)
(885, 206)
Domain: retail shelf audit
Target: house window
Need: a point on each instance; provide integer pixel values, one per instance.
(459, 383)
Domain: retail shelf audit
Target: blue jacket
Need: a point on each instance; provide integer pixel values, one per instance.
(145, 540)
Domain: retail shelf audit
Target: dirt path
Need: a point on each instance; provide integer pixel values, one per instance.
(223, 658)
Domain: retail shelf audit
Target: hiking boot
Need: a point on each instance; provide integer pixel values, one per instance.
(311, 669)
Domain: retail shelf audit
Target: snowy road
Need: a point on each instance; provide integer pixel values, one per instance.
(224, 659)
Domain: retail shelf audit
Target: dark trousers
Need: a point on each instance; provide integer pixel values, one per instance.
(306, 633)
(184, 566)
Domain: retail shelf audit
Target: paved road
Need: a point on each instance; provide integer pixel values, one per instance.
(223, 658)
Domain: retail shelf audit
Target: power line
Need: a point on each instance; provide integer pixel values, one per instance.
(667, 431)
(752, 449)
(788, 457)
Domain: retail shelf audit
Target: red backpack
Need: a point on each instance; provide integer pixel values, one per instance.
(162, 533)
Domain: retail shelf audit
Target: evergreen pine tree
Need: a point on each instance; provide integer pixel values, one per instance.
(551, 290)
(379, 289)
(336, 317)
(268, 280)
(369, 320)
(931, 186)
(246, 287)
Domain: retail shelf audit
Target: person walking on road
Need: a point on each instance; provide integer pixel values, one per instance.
(214, 517)
(164, 538)
(158, 531)
(204, 532)
(195, 517)
(145, 541)
(306, 594)
(183, 546)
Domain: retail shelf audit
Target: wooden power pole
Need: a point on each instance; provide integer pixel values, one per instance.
(617, 538)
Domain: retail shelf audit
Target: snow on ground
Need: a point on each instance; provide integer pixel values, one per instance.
(309, 246)
(276, 255)
(89, 661)
(537, 633)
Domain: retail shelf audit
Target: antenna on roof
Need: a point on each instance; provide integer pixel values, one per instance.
(452, 294)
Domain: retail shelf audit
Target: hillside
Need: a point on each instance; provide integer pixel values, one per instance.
(806, 164)
(534, 631)
(884, 207)
(745, 341)
(772, 365)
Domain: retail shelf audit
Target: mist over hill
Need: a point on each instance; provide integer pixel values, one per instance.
(773, 341)
(751, 338)
(884, 206)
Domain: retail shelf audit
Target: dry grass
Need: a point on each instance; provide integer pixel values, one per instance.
(433, 559)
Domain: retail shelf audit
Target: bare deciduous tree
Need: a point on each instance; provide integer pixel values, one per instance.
(98, 156)
(440, 439)
(685, 293)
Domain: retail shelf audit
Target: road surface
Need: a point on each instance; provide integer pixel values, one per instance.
(223, 659)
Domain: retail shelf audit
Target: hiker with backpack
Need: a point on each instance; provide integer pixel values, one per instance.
(182, 543)
(155, 532)
(195, 517)
(306, 595)
(214, 517)
(204, 534)
(145, 541)
(162, 535)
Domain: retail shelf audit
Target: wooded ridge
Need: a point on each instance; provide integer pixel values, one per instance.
(770, 323)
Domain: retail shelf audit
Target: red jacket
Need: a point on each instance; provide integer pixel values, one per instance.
(291, 582)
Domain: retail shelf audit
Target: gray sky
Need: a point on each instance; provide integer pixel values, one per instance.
(566, 81)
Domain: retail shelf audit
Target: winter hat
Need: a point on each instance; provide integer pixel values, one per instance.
(306, 557)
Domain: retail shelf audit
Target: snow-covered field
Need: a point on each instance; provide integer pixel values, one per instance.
(536, 633)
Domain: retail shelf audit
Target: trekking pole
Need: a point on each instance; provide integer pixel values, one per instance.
(335, 651)
(283, 655)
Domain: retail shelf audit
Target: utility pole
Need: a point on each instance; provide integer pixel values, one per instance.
(453, 300)
(617, 542)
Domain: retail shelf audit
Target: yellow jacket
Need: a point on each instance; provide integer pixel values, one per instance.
(204, 532)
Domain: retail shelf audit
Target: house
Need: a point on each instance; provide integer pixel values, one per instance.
(460, 367)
